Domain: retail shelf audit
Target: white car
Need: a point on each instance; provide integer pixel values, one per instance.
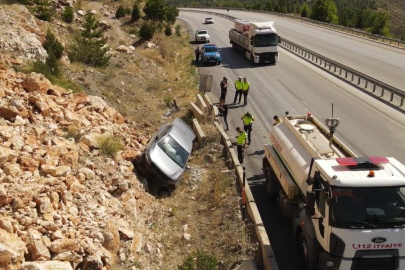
(202, 35)
(209, 20)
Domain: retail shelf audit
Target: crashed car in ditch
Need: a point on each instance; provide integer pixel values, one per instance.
(168, 151)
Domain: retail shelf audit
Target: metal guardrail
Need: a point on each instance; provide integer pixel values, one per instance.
(360, 80)
(383, 91)
(355, 32)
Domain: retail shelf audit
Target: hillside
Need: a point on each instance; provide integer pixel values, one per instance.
(70, 197)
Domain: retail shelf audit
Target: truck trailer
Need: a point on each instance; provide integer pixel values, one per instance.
(258, 41)
(348, 212)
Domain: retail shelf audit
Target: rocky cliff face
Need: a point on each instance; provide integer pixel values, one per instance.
(20, 34)
(64, 204)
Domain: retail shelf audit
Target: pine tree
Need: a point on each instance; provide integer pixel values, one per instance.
(68, 14)
(136, 13)
(52, 45)
(90, 47)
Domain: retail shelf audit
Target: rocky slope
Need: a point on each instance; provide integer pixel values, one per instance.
(64, 204)
(61, 199)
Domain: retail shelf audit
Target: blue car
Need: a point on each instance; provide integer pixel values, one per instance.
(210, 54)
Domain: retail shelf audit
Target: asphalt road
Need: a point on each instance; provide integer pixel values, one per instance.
(379, 61)
(368, 127)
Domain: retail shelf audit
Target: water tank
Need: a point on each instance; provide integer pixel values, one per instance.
(295, 155)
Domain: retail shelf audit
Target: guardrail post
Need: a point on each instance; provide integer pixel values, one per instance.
(392, 96)
(382, 91)
(352, 77)
(340, 71)
(366, 84)
(358, 81)
(334, 70)
(402, 102)
(346, 74)
(374, 87)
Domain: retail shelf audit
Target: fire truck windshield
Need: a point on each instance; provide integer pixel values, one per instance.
(368, 207)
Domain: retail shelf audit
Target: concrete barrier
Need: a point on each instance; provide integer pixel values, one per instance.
(201, 138)
(209, 103)
(196, 112)
(215, 113)
(269, 260)
(201, 104)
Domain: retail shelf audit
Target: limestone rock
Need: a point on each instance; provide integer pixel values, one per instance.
(111, 237)
(12, 250)
(64, 245)
(123, 49)
(36, 83)
(8, 113)
(50, 265)
(4, 197)
(38, 251)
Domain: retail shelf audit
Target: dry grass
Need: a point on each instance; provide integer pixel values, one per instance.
(209, 204)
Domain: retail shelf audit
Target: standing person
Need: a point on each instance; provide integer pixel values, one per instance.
(238, 89)
(240, 143)
(248, 119)
(276, 120)
(197, 54)
(245, 90)
(224, 88)
(223, 108)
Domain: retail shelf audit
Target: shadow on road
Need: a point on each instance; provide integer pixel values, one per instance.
(235, 60)
(279, 229)
(257, 152)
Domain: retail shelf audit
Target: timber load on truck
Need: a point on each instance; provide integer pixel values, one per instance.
(258, 41)
(348, 212)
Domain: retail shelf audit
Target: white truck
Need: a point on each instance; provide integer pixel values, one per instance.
(258, 41)
(348, 212)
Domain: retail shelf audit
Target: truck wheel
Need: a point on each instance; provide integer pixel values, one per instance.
(307, 253)
(271, 186)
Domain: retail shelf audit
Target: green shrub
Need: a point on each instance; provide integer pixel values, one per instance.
(110, 145)
(147, 31)
(90, 44)
(136, 13)
(199, 260)
(178, 30)
(168, 30)
(68, 14)
(128, 11)
(53, 46)
(120, 12)
(45, 11)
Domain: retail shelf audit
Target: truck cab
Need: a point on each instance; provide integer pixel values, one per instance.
(358, 214)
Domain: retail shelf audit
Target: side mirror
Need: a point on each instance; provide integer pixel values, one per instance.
(310, 203)
(279, 39)
(310, 181)
(331, 201)
(219, 50)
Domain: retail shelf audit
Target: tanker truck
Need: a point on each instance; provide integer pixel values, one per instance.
(258, 41)
(348, 212)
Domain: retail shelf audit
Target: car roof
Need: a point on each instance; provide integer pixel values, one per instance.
(201, 30)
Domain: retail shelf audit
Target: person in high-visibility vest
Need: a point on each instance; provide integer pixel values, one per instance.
(238, 89)
(245, 90)
(248, 119)
(240, 143)
(276, 120)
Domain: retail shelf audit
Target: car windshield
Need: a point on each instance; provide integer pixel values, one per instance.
(265, 40)
(376, 207)
(208, 19)
(211, 49)
(174, 150)
(202, 32)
